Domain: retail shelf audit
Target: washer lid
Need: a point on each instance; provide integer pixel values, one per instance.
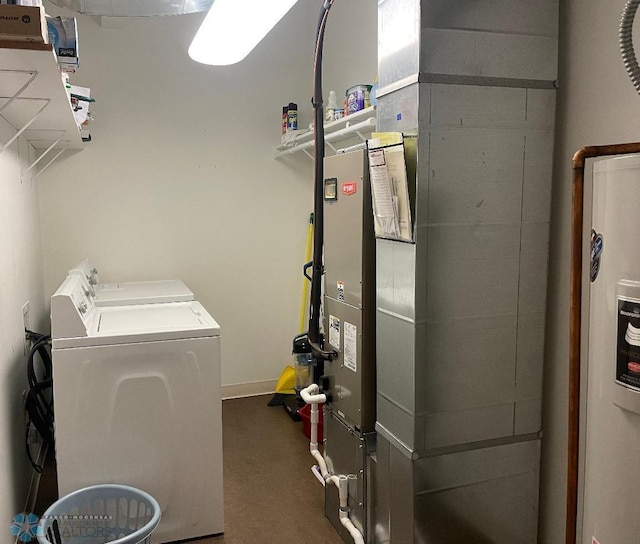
(142, 292)
(144, 323)
(150, 318)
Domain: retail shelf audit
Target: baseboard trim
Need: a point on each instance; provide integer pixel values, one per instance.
(250, 389)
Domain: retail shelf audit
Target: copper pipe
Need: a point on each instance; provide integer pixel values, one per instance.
(577, 219)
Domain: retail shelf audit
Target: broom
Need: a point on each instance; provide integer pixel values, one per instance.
(286, 381)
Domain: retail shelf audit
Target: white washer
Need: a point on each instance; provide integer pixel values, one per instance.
(132, 292)
(138, 402)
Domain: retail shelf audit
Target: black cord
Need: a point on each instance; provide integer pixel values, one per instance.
(41, 347)
(39, 399)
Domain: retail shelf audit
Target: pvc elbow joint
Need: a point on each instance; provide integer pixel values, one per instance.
(308, 394)
(332, 480)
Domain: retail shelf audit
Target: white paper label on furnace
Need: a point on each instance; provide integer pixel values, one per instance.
(350, 343)
(334, 331)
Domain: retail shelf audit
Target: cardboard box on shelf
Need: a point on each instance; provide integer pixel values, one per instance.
(23, 23)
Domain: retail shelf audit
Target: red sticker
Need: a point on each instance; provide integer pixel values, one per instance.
(349, 188)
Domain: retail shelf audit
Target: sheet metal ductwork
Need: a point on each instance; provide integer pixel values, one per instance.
(460, 312)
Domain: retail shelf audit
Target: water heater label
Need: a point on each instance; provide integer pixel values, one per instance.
(628, 343)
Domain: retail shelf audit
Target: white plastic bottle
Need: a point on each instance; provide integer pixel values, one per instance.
(332, 105)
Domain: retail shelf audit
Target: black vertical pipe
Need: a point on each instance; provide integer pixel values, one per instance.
(318, 205)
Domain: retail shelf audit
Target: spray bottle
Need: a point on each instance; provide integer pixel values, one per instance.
(332, 106)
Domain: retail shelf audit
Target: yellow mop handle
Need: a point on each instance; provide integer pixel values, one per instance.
(305, 281)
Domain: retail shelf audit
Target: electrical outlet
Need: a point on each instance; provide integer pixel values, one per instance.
(26, 323)
(26, 315)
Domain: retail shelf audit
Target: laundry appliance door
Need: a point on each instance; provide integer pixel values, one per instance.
(145, 414)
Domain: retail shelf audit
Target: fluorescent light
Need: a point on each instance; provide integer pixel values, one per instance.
(232, 28)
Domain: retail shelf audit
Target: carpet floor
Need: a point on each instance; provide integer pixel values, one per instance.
(270, 494)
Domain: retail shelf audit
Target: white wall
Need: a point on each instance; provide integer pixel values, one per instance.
(597, 105)
(180, 179)
(20, 281)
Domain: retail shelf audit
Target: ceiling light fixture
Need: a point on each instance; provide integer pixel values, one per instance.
(232, 28)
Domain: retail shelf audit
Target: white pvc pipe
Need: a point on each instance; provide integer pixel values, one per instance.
(334, 480)
(315, 419)
(343, 491)
(322, 465)
(349, 526)
(310, 396)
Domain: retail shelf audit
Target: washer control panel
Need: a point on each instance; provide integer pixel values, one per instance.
(86, 272)
(72, 307)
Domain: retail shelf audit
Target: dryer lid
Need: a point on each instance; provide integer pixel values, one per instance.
(144, 323)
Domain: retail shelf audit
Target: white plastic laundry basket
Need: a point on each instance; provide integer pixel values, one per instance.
(107, 513)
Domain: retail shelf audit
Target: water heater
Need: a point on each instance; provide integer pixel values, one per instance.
(611, 425)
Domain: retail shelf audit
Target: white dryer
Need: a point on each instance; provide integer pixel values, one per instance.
(137, 401)
(132, 292)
